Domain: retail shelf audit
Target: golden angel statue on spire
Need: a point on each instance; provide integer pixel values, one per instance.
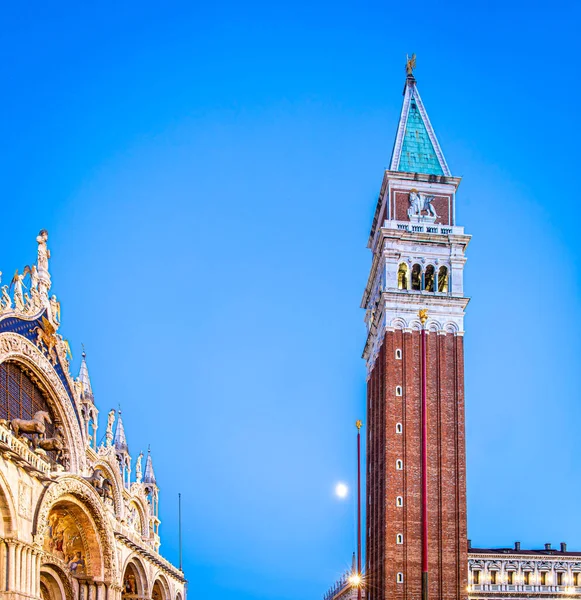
(410, 64)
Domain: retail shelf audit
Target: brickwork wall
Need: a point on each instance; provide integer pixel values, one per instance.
(375, 516)
(446, 469)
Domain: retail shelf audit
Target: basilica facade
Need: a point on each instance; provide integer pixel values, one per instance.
(78, 521)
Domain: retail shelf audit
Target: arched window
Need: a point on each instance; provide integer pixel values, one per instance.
(443, 279)
(403, 282)
(398, 390)
(398, 354)
(398, 428)
(399, 501)
(399, 464)
(399, 538)
(416, 277)
(429, 278)
(399, 578)
(21, 398)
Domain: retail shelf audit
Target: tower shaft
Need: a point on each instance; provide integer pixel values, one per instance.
(416, 467)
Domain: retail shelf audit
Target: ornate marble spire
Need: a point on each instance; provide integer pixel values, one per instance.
(84, 378)
(120, 441)
(149, 476)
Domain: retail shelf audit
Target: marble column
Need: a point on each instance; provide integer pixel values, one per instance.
(3, 571)
(17, 565)
(33, 560)
(11, 565)
(37, 581)
(28, 575)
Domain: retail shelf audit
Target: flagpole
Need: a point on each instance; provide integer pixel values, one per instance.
(358, 424)
(180, 528)
(423, 314)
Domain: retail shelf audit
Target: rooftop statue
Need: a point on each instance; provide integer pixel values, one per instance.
(410, 64)
(109, 432)
(138, 472)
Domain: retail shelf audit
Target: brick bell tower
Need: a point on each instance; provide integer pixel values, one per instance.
(418, 262)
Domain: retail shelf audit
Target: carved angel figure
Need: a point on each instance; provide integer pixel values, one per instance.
(46, 338)
(55, 310)
(32, 271)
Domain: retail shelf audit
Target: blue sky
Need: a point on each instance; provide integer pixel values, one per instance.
(208, 174)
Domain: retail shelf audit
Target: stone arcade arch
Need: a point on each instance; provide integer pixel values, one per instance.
(54, 583)
(114, 477)
(7, 513)
(73, 502)
(135, 584)
(160, 589)
(19, 350)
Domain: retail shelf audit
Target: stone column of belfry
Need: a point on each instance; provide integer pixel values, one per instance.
(416, 472)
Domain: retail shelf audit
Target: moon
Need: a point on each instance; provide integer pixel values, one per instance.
(341, 490)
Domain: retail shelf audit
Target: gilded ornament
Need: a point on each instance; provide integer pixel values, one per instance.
(410, 64)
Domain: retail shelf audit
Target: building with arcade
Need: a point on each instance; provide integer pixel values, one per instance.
(78, 521)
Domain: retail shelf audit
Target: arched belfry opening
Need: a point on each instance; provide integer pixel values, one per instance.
(443, 279)
(403, 279)
(429, 277)
(416, 277)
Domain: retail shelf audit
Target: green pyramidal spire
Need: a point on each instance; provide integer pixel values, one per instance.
(416, 148)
